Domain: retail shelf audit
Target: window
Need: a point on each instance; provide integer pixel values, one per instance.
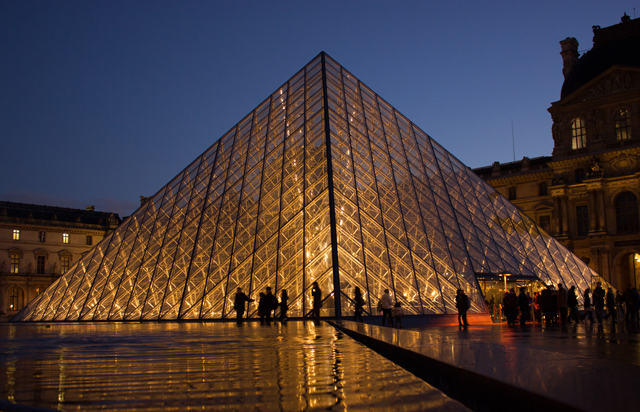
(545, 222)
(623, 125)
(16, 298)
(64, 264)
(627, 213)
(65, 238)
(579, 175)
(578, 134)
(40, 264)
(41, 237)
(89, 240)
(542, 189)
(15, 262)
(16, 234)
(512, 193)
(582, 220)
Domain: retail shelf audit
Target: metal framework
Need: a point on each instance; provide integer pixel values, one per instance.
(324, 181)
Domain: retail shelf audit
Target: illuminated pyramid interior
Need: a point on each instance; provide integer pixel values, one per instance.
(324, 181)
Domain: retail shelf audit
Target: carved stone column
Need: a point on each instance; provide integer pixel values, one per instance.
(602, 227)
(592, 211)
(565, 214)
(557, 223)
(3, 292)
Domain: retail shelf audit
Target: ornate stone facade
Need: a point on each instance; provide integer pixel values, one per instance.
(37, 243)
(586, 194)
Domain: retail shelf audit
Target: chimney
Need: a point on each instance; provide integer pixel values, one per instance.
(569, 54)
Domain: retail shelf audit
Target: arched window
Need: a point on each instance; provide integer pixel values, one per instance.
(578, 134)
(16, 298)
(623, 125)
(627, 213)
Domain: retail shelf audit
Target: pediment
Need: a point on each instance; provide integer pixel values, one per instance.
(543, 207)
(41, 252)
(15, 250)
(616, 79)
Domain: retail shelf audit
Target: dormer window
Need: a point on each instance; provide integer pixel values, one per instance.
(578, 134)
(623, 125)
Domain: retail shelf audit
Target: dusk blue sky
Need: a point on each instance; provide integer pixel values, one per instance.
(104, 101)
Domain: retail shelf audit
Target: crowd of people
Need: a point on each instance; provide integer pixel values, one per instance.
(550, 305)
(268, 303)
(560, 305)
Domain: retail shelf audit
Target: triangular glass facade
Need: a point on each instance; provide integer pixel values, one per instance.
(324, 181)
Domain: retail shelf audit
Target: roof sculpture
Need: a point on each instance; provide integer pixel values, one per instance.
(324, 181)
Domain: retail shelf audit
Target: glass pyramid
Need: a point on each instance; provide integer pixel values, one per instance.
(324, 181)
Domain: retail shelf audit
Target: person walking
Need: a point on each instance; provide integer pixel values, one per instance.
(284, 305)
(523, 305)
(387, 305)
(238, 304)
(537, 314)
(588, 310)
(398, 314)
(572, 303)
(268, 303)
(611, 306)
(562, 303)
(619, 305)
(636, 304)
(462, 304)
(261, 307)
(629, 305)
(511, 304)
(553, 304)
(598, 301)
(359, 309)
(316, 293)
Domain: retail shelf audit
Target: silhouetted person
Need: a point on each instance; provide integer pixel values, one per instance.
(549, 304)
(316, 293)
(620, 305)
(562, 297)
(462, 304)
(387, 305)
(598, 301)
(261, 307)
(553, 304)
(523, 305)
(537, 314)
(238, 304)
(611, 306)
(398, 314)
(284, 305)
(268, 303)
(572, 304)
(588, 310)
(511, 306)
(359, 301)
(629, 305)
(636, 304)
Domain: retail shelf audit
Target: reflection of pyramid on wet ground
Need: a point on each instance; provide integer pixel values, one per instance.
(324, 181)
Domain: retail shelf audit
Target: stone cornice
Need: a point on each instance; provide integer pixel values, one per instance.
(520, 177)
(86, 230)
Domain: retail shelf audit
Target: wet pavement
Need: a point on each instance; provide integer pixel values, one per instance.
(587, 367)
(204, 366)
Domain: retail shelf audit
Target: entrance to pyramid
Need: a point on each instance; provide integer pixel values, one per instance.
(324, 181)
(495, 285)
